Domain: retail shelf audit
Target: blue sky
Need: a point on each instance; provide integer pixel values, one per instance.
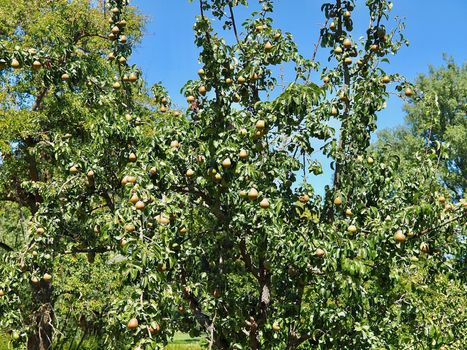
(434, 27)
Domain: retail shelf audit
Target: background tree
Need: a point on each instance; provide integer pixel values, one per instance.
(57, 82)
(438, 122)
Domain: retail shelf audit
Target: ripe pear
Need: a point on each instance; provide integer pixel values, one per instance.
(139, 205)
(268, 46)
(174, 144)
(424, 247)
(130, 227)
(226, 163)
(264, 203)
(134, 199)
(36, 65)
(202, 90)
(386, 79)
(408, 92)
(190, 173)
(154, 330)
(133, 77)
(73, 170)
(253, 194)
(132, 157)
(133, 324)
(338, 200)
(399, 236)
(191, 99)
(65, 77)
(243, 154)
(15, 63)
(47, 278)
(320, 253)
(260, 124)
(352, 229)
(347, 43)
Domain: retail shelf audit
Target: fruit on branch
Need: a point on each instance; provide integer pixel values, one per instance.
(424, 247)
(386, 79)
(129, 227)
(260, 124)
(243, 154)
(40, 231)
(320, 253)
(253, 194)
(352, 229)
(133, 324)
(264, 203)
(47, 278)
(348, 212)
(347, 43)
(268, 46)
(226, 163)
(399, 236)
(36, 65)
(65, 77)
(132, 157)
(202, 90)
(134, 199)
(133, 77)
(140, 205)
(190, 173)
(338, 200)
(73, 170)
(408, 92)
(15, 63)
(191, 99)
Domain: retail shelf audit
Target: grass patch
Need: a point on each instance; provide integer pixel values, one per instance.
(180, 342)
(184, 342)
(4, 342)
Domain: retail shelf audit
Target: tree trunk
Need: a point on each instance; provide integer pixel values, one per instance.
(43, 317)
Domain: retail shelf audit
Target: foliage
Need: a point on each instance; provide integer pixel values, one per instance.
(202, 219)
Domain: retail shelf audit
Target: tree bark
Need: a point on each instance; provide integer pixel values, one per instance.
(43, 317)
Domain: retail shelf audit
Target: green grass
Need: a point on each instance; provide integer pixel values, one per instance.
(3, 342)
(180, 342)
(184, 342)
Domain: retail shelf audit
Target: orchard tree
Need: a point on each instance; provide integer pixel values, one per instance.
(63, 73)
(212, 219)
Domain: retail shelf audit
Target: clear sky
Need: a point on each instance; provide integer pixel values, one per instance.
(434, 27)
